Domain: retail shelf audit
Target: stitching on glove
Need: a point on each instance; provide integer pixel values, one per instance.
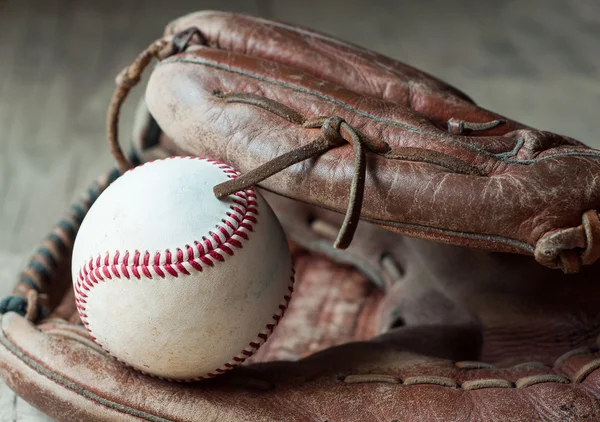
(468, 385)
(477, 384)
(586, 370)
(486, 383)
(428, 379)
(572, 353)
(539, 379)
(230, 235)
(355, 379)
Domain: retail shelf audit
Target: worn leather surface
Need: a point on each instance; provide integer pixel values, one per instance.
(323, 387)
(318, 364)
(530, 177)
(392, 328)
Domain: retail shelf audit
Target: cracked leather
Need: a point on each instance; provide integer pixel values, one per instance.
(391, 328)
(484, 336)
(531, 178)
(445, 332)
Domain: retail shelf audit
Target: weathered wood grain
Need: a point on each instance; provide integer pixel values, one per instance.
(536, 61)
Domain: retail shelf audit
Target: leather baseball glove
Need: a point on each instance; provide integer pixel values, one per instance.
(445, 255)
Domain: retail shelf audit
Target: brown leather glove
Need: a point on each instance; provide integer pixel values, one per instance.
(373, 137)
(389, 327)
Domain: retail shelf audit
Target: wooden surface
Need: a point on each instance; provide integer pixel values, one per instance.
(536, 61)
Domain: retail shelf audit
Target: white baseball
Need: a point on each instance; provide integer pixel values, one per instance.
(174, 282)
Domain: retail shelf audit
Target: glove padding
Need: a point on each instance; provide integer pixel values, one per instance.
(390, 328)
(391, 346)
(428, 161)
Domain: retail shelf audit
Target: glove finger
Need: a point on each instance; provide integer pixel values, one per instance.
(81, 383)
(366, 73)
(195, 98)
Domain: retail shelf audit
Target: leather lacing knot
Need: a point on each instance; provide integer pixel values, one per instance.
(334, 132)
(569, 249)
(557, 250)
(460, 127)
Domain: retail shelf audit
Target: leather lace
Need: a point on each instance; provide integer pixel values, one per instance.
(335, 132)
(131, 75)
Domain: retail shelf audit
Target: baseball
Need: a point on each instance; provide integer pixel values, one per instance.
(175, 282)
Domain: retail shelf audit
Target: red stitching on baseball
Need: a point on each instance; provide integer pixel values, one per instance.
(225, 230)
(238, 210)
(241, 234)
(195, 265)
(124, 271)
(213, 247)
(206, 261)
(227, 249)
(136, 259)
(158, 271)
(228, 224)
(217, 237)
(181, 268)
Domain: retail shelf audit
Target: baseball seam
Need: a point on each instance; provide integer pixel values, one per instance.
(234, 230)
